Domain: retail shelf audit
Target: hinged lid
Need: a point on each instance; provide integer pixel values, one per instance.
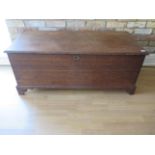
(76, 42)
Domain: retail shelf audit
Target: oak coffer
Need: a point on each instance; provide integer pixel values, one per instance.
(76, 60)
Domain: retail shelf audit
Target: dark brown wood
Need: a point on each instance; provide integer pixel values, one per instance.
(76, 60)
(21, 90)
(145, 37)
(75, 42)
(131, 90)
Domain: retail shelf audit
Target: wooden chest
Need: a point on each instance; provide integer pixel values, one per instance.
(76, 60)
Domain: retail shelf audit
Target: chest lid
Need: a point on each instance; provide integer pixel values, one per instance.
(76, 42)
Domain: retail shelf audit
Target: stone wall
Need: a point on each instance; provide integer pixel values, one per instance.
(138, 27)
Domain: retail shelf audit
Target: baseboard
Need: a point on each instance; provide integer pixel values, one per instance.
(149, 60)
(4, 60)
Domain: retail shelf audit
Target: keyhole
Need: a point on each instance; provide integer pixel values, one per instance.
(76, 57)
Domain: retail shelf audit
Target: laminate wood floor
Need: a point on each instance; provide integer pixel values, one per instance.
(77, 111)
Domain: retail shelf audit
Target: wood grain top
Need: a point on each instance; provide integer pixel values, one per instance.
(76, 42)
